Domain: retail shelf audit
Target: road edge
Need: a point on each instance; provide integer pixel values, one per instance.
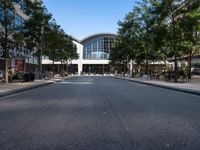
(187, 91)
(4, 94)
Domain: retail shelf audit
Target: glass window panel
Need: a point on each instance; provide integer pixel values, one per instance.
(98, 48)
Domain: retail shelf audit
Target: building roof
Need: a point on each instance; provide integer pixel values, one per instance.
(97, 35)
(75, 39)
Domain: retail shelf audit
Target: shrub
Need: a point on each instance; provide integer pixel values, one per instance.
(32, 76)
(15, 76)
(26, 77)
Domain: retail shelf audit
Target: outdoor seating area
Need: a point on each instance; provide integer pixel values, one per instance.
(181, 76)
(168, 76)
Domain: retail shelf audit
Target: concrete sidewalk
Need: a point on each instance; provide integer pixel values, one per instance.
(192, 87)
(12, 88)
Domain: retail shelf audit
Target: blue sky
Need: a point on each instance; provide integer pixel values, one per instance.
(81, 18)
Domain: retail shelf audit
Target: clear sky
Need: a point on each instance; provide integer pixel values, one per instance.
(81, 18)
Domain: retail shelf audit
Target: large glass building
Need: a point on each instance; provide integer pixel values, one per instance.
(94, 53)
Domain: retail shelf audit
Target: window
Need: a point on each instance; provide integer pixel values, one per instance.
(98, 48)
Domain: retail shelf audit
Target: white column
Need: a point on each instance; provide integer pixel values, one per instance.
(80, 68)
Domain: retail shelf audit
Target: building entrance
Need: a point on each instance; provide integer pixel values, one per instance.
(96, 69)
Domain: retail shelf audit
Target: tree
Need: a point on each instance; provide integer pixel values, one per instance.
(6, 28)
(52, 42)
(127, 46)
(189, 23)
(68, 50)
(157, 30)
(119, 53)
(137, 34)
(35, 27)
(58, 46)
(174, 13)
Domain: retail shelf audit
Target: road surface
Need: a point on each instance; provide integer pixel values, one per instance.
(100, 113)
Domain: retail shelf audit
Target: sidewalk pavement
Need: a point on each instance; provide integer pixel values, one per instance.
(12, 88)
(192, 87)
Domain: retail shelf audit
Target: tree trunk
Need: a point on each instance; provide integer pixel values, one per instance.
(61, 69)
(146, 66)
(189, 65)
(64, 68)
(124, 68)
(6, 57)
(132, 69)
(174, 49)
(53, 67)
(40, 60)
(6, 43)
(189, 73)
(67, 67)
(139, 69)
(175, 69)
(146, 60)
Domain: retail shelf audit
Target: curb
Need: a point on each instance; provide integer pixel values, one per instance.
(187, 91)
(30, 87)
(24, 89)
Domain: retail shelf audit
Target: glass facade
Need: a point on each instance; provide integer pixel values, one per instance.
(18, 22)
(12, 15)
(98, 48)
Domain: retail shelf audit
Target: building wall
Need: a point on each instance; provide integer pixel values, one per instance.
(16, 52)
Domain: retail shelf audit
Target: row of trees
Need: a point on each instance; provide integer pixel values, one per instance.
(39, 33)
(156, 30)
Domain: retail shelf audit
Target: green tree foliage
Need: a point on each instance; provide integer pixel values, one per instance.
(138, 34)
(40, 34)
(127, 46)
(173, 13)
(58, 46)
(159, 29)
(189, 23)
(35, 27)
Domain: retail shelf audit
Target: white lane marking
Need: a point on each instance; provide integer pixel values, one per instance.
(75, 82)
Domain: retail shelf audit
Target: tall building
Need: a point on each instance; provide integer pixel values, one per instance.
(20, 59)
(93, 51)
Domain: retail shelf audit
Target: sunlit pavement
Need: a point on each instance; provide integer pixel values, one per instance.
(192, 86)
(99, 113)
(10, 88)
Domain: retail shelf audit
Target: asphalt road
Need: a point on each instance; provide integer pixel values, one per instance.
(100, 113)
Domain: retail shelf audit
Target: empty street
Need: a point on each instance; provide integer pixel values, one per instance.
(99, 113)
